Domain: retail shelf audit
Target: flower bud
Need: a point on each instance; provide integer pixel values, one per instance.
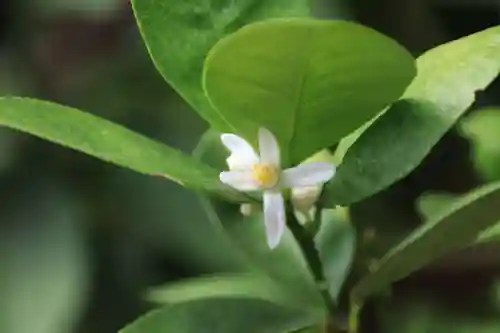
(304, 198)
(248, 209)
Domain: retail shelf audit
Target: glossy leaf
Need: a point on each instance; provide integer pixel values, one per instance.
(398, 140)
(222, 316)
(311, 82)
(453, 229)
(285, 265)
(109, 142)
(179, 34)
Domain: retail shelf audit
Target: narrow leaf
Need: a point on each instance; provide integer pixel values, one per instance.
(235, 285)
(108, 141)
(223, 316)
(454, 229)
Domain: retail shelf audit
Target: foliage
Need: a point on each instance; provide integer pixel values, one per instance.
(318, 85)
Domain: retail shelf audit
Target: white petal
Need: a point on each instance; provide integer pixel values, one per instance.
(268, 148)
(308, 174)
(239, 163)
(240, 180)
(241, 150)
(274, 217)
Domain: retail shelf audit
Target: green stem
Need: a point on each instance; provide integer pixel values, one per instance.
(306, 242)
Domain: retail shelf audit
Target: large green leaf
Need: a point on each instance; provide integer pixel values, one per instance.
(398, 140)
(455, 228)
(285, 266)
(179, 35)
(222, 316)
(311, 82)
(108, 141)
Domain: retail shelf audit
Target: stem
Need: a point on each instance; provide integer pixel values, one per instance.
(306, 242)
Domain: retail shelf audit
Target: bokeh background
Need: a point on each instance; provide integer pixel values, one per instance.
(81, 240)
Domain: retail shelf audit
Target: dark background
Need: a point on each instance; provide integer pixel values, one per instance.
(80, 240)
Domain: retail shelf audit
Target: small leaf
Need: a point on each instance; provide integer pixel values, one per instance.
(108, 141)
(222, 316)
(398, 140)
(481, 128)
(335, 242)
(285, 265)
(454, 229)
(235, 285)
(179, 35)
(311, 82)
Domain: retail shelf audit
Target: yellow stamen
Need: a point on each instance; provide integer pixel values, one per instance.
(265, 175)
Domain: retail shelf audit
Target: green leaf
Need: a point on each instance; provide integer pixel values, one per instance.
(222, 316)
(432, 204)
(453, 229)
(481, 128)
(285, 266)
(234, 285)
(335, 242)
(179, 35)
(398, 140)
(108, 141)
(311, 82)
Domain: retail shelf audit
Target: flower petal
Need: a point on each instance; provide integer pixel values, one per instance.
(242, 152)
(308, 174)
(274, 217)
(240, 180)
(240, 163)
(269, 148)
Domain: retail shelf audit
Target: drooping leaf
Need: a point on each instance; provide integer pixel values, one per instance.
(179, 35)
(398, 140)
(108, 141)
(284, 265)
(455, 228)
(222, 316)
(311, 82)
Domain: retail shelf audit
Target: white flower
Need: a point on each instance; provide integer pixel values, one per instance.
(251, 172)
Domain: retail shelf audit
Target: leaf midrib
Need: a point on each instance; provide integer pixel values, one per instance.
(304, 75)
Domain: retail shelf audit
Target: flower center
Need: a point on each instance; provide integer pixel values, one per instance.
(265, 175)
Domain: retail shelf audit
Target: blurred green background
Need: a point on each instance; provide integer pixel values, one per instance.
(80, 240)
